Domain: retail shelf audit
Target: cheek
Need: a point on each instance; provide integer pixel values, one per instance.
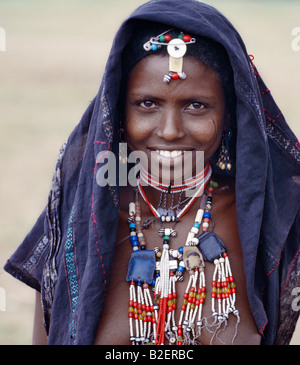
(207, 133)
(136, 131)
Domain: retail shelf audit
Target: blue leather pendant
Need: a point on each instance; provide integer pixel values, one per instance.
(211, 246)
(141, 266)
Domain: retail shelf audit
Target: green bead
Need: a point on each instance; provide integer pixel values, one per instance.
(180, 36)
(162, 38)
(214, 184)
(166, 238)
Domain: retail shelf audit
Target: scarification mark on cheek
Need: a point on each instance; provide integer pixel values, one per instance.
(210, 131)
(215, 135)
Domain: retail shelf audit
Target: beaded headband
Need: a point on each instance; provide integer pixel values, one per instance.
(176, 49)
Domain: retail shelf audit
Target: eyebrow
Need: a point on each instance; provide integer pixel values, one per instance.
(194, 98)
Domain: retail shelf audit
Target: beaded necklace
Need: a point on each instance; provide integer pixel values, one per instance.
(152, 317)
(197, 182)
(194, 181)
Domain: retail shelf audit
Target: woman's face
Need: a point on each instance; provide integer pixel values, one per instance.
(164, 120)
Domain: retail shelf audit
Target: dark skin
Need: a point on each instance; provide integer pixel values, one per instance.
(189, 115)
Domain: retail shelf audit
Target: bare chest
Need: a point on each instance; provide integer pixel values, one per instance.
(114, 325)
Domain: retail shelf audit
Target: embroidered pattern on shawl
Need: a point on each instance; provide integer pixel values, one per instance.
(37, 253)
(53, 219)
(71, 274)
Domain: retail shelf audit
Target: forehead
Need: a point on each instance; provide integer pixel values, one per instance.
(147, 78)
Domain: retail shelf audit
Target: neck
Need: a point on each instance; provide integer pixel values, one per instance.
(174, 186)
(174, 197)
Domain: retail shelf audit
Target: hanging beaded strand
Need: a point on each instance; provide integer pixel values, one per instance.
(223, 295)
(223, 292)
(141, 313)
(192, 295)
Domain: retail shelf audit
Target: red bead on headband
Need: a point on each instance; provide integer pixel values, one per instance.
(176, 49)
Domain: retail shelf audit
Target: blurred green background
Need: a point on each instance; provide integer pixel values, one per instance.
(55, 55)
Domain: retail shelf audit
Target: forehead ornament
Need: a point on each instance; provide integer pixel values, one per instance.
(176, 49)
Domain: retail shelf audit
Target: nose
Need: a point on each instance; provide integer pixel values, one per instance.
(170, 126)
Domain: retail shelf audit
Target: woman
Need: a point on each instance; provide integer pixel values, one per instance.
(207, 98)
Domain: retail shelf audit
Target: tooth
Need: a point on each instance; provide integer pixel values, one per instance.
(165, 153)
(175, 154)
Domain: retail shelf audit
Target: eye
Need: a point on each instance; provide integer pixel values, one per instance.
(147, 104)
(196, 106)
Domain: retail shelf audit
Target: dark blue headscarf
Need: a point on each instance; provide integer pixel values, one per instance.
(69, 252)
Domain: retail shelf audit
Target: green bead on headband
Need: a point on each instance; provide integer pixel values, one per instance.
(176, 49)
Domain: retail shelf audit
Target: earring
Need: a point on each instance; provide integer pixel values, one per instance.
(121, 134)
(224, 162)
